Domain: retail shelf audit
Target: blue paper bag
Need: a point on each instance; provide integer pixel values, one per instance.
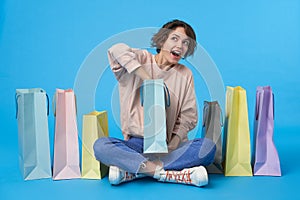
(154, 96)
(33, 133)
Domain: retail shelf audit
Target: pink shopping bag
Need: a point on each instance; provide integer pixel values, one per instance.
(66, 148)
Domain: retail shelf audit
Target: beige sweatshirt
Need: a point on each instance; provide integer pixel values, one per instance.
(182, 113)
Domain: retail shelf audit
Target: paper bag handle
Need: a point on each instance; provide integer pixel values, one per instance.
(205, 113)
(166, 92)
(257, 107)
(54, 104)
(273, 106)
(17, 107)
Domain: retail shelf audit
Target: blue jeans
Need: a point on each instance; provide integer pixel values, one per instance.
(128, 155)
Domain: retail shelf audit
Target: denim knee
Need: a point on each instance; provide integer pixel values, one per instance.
(207, 151)
(100, 146)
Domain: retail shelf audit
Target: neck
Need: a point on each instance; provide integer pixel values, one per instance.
(162, 63)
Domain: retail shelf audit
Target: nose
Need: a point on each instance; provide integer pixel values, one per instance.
(179, 44)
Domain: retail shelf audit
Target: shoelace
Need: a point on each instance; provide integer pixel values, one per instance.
(181, 176)
(129, 176)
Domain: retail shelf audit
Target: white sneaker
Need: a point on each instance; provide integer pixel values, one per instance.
(192, 176)
(117, 175)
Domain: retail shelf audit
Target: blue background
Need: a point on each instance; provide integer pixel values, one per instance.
(44, 43)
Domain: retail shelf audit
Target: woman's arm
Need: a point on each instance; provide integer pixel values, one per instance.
(187, 118)
(123, 59)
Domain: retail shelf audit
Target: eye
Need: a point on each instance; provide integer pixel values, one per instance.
(174, 38)
(186, 42)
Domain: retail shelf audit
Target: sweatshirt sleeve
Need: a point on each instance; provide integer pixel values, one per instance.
(121, 58)
(188, 115)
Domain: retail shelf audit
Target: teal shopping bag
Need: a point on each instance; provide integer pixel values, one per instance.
(33, 133)
(155, 97)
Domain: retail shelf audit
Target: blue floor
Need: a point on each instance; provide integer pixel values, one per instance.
(12, 185)
(252, 43)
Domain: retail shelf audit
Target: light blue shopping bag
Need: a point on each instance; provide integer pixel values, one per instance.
(155, 97)
(33, 133)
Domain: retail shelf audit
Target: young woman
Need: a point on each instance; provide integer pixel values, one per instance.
(185, 159)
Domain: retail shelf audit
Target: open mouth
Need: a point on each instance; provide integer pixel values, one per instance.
(176, 54)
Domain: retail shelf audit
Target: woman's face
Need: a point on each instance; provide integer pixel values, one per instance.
(176, 46)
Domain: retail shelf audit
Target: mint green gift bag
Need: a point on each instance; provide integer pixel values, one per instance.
(33, 133)
(155, 98)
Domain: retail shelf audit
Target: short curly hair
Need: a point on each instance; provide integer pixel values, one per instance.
(162, 35)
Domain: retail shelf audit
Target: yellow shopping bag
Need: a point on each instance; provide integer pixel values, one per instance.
(238, 155)
(94, 126)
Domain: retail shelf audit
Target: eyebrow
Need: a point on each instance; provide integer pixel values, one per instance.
(179, 36)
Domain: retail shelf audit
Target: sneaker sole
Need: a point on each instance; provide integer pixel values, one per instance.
(113, 176)
(204, 176)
